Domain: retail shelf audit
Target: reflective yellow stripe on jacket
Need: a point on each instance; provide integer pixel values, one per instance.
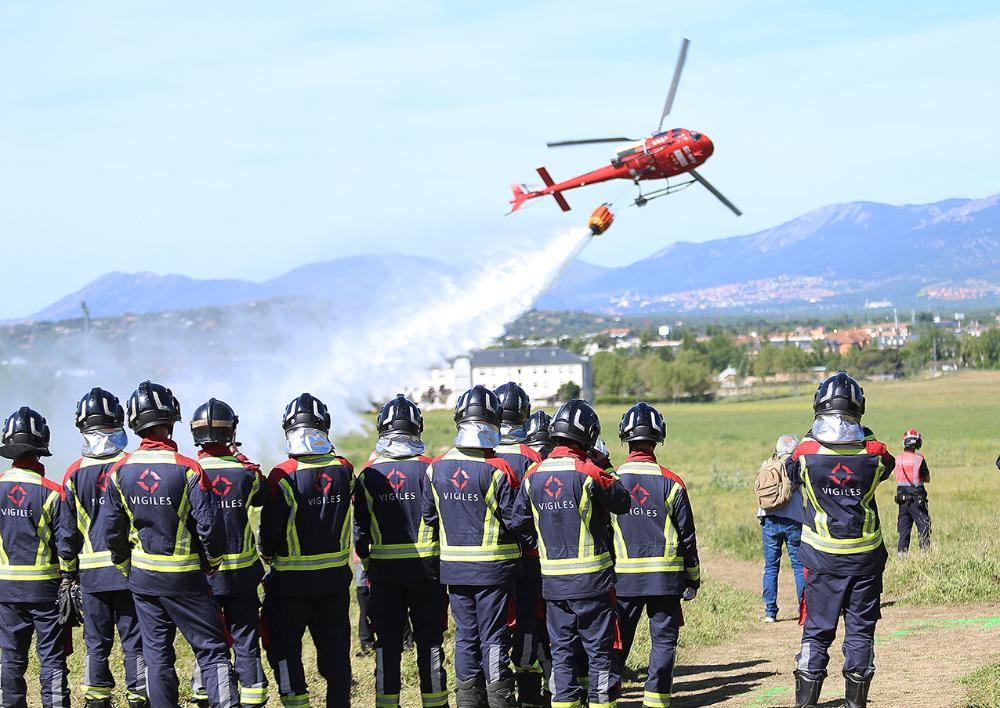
(821, 539)
(46, 566)
(489, 549)
(671, 561)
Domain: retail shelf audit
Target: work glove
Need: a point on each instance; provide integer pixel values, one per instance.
(70, 600)
(690, 594)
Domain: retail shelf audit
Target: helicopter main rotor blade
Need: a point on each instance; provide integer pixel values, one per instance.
(718, 195)
(588, 141)
(673, 84)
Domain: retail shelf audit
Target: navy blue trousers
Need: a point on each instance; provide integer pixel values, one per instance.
(530, 641)
(394, 604)
(482, 617)
(103, 612)
(242, 614)
(18, 622)
(589, 628)
(664, 612)
(200, 623)
(828, 597)
(326, 616)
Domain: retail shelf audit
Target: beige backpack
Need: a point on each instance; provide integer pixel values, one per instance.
(773, 487)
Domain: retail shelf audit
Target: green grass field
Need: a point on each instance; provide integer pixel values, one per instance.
(717, 448)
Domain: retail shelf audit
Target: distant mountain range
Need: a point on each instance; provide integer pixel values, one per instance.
(838, 257)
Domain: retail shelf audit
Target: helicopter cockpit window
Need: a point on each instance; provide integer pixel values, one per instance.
(696, 136)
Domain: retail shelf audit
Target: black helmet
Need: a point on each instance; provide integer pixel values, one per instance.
(214, 422)
(99, 409)
(840, 394)
(400, 415)
(537, 428)
(25, 432)
(306, 411)
(576, 421)
(152, 404)
(479, 404)
(515, 406)
(642, 422)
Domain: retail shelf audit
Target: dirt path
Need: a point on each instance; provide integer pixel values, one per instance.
(920, 652)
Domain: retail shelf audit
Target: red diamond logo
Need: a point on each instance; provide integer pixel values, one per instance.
(553, 486)
(17, 494)
(841, 474)
(102, 479)
(221, 485)
(396, 479)
(323, 482)
(149, 480)
(460, 479)
(640, 494)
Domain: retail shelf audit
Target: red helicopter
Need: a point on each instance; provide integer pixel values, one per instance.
(665, 154)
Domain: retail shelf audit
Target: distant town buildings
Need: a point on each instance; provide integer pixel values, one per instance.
(541, 371)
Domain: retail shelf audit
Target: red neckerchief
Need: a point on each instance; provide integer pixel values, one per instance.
(641, 456)
(567, 451)
(158, 443)
(215, 450)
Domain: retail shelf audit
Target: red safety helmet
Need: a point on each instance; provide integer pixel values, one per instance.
(912, 438)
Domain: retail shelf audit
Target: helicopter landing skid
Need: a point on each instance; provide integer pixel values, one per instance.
(644, 199)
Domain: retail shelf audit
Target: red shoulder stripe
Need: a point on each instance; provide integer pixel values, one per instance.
(71, 469)
(502, 465)
(425, 459)
(54, 487)
(530, 454)
(806, 447)
(671, 476)
(601, 476)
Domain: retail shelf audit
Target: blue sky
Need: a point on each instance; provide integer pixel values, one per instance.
(244, 139)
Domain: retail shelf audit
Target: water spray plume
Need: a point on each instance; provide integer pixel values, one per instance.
(258, 357)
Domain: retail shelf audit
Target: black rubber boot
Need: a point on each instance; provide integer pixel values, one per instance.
(470, 694)
(97, 703)
(807, 688)
(529, 689)
(500, 694)
(138, 703)
(856, 690)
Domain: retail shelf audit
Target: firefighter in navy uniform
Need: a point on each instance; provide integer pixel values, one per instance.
(530, 652)
(911, 494)
(470, 502)
(305, 534)
(656, 553)
(237, 485)
(401, 556)
(162, 529)
(568, 499)
(839, 465)
(536, 433)
(107, 602)
(30, 511)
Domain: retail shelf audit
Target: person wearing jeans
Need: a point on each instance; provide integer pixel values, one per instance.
(781, 526)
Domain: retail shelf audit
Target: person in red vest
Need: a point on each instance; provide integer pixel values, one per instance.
(911, 494)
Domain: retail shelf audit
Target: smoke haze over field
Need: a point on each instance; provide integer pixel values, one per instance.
(258, 357)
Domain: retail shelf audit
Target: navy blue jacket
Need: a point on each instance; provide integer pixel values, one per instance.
(391, 538)
(305, 526)
(82, 545)
(841, 532)
(568, 500)
(161, 522)
(237, 485)
(656, 552)
(469, 500)
(30, 511)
